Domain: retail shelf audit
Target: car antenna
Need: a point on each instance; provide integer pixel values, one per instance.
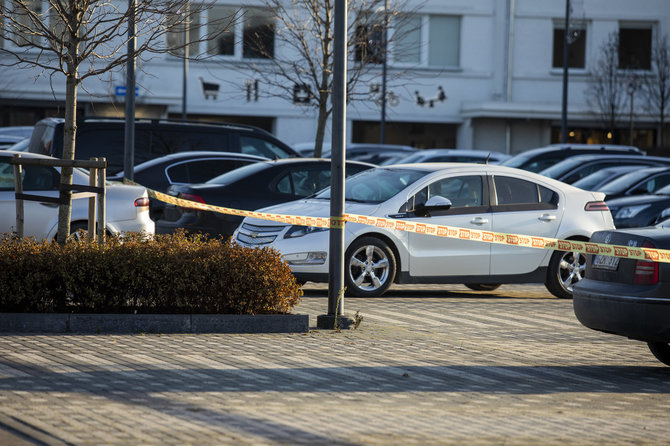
(488, 157)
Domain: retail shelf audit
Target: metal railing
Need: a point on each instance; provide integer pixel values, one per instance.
(95, 191)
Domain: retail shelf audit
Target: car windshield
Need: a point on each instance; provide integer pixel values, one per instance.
(376, 185)
(237, 174)
(624, 182)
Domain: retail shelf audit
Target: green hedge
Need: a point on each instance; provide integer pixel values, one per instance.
(164, 274)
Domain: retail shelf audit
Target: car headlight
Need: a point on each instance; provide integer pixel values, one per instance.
(306, 258)
(631, 211)
(299, 231)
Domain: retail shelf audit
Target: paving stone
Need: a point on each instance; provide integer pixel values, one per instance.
(428, 365)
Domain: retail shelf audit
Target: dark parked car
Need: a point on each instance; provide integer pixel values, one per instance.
(642, 181)
(577, 167)
(103, 137)
(366, 152)
(448, 156)
(628, 297)
(7, 141)
(22, 131)
(601, 177)
(637, 211)
(536, 160)
(250, 187)
(184, 168)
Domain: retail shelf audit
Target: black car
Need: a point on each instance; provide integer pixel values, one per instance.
(629, 297)
(536, 160)
(577, 167)
(637, 211)
(640, 182)
(366, 152)
(249, 188)
(448, 156)
(184, 168)
(599, 178)
(104, 137)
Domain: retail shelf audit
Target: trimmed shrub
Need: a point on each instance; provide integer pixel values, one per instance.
(172, 273)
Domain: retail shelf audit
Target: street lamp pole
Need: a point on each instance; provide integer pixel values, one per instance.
(129, 139)
(564, 108)
(382, 126)
(335, 317)
(184, 88)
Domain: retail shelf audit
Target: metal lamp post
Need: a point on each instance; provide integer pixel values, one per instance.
(382, 125)
(564, 109)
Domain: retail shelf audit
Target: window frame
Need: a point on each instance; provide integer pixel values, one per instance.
(584, 29)
(641, 26)
(515, 207)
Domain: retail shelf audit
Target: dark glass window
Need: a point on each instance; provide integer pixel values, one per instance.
(201, 170)
(369, 44)
(576, 49)
(635, 48)
(515, 191)
(258, 39)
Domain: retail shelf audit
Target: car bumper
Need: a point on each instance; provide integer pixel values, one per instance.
(635, 311)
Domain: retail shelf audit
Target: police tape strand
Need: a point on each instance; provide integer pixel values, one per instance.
(629, 252)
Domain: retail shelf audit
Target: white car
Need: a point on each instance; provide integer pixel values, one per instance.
(483, 197)
(127, 207)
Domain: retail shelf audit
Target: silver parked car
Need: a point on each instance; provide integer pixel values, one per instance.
(127, 207)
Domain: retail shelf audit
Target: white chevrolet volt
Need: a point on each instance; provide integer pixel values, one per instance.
(469, 196)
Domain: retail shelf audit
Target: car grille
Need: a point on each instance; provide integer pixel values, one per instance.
(258, 235)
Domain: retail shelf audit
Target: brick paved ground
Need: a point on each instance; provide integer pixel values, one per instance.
(428, 365)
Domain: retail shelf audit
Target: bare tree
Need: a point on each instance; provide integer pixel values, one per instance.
(606, 93)
(656, 85)
(303, 69)
(85, 38)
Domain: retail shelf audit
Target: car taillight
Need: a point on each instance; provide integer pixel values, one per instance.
(142, 202)
(192, 197)
(646, 272)
(596, 206)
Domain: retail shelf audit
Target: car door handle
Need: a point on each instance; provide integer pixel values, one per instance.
(547, 217)
(479, 221)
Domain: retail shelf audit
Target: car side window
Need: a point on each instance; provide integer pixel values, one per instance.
(517, 194)
(653, 184)
(201, 170)
(303, 182)
(33, 177)
(465, 193)
(260, 147)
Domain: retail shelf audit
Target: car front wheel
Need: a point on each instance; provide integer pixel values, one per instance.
(370, 267)
(566, 268)
(661, 350)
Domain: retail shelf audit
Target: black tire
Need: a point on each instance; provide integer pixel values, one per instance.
(79, 231)
(661, 350)
(565, 269)
(369, 268)
(483, 286)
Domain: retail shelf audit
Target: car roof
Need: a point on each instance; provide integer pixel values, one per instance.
(577, 147)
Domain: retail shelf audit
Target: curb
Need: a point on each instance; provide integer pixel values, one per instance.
(152, 323)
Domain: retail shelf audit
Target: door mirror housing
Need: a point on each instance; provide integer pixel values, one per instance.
(434, 204)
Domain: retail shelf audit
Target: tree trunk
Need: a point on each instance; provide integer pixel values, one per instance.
(69, 134)
(322, 120)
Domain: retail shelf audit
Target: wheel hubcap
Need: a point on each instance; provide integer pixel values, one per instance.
(571, 269)
(369, 268)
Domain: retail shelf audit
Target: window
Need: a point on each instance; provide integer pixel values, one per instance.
(430, 40)
(463, 192)
(517, 194)
(33, 177)
(635, 47)
(247, 33)
(175, 37)
(576, 48)
(423, 40)
(201, 170)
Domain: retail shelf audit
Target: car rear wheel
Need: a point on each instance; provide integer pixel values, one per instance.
(566, 268)
(661, 350)
(483, 286)
(370, 267)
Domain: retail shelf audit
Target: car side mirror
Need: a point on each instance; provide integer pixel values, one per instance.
(433, 205)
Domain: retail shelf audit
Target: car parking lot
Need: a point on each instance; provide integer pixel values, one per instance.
(435, 364)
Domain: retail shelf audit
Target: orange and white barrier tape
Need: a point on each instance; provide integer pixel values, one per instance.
(628, 252)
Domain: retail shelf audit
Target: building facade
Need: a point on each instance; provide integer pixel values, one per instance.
(468, 74)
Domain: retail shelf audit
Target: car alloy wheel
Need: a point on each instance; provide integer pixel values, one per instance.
(661, 350)
(371, 267)
(566, 268)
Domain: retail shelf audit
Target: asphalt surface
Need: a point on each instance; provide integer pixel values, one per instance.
(427, 365)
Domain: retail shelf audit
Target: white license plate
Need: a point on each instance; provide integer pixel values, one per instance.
(606, 262)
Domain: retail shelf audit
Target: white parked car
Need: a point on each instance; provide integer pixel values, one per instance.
(482, 197)
(127, 207)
